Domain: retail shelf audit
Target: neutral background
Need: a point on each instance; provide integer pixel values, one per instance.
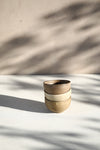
(49, 36)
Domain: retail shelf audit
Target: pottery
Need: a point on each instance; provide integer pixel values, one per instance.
(57, 95)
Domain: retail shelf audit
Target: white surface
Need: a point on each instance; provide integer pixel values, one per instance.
(26, 124)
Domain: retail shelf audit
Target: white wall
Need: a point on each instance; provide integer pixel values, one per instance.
(31, 44)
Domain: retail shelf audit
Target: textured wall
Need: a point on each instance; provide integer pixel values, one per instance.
(49, 37)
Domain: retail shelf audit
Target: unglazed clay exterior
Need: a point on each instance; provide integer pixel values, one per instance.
(57, 106)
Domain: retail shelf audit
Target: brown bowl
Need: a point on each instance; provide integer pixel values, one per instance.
(57, 106)
(57, 95)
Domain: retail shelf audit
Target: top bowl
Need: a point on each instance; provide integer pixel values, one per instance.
(57, 86)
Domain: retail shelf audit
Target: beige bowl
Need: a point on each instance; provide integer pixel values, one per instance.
(57, 106)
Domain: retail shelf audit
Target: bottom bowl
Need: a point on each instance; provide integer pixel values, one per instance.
(57, 106)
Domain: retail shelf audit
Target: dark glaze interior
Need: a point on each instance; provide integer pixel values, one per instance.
(55, 82)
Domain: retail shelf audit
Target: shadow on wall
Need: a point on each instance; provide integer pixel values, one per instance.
(74, 12)
(74, 32)
(54, 140)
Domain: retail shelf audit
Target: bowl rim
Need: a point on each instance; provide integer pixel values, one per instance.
(56, 82)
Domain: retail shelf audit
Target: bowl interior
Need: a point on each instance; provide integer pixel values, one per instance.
(55, 82)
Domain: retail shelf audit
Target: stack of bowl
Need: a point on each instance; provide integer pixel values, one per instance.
(57, 95)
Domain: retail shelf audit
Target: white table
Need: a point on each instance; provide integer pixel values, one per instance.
(26, 124)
